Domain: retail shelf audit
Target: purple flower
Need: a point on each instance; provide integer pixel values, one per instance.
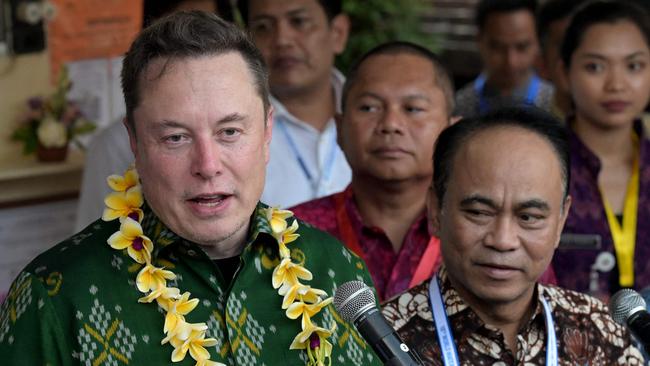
(138, 243)
(70, 114)
(314, 341)
(35, 103)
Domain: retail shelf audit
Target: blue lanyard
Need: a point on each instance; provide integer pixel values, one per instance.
(446, 338)
(329, 164)
(483, 106)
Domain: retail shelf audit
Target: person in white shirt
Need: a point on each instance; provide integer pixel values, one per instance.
(299, 40)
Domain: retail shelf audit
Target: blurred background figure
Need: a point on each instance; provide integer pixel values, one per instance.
(299, 40)
(508, 45)
(397, 100)
(552, 20)
(606, 61)
(109, 153)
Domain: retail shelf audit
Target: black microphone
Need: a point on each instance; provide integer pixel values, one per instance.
(628, 308)
(356, 304)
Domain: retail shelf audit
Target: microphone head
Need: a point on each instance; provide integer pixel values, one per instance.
(352, 299)
(625, 303)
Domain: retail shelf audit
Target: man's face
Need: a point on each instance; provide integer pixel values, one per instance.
(394, 113)
(202, 145)
(501, 217)
(508, 46)
(298, 43)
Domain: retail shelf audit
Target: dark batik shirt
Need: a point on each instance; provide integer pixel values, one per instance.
(586, 334)
(391, 272)
(587, 216)
(77, 303)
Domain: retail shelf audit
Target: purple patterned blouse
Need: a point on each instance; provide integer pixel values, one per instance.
(587, 216)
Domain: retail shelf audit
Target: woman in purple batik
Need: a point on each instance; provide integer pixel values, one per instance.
(606, 56)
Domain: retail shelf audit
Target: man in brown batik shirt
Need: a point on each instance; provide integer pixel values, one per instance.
(499, 201)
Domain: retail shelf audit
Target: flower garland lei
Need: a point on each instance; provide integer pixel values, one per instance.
(299, 300)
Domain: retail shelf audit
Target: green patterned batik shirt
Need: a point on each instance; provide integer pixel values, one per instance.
(77, 304)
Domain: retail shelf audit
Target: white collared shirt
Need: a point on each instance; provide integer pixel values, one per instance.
(324, 169)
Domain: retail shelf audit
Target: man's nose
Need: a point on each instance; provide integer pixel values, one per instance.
(392, 121)
(512, 59)
(503, 235)
(284, 33)
(206, 159)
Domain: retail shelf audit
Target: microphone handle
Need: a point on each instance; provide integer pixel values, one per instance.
(384, 340)
(639, 324)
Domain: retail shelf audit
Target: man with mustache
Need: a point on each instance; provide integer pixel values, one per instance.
(397, 100)
(299, 40)
(499, 200)
(186, 265)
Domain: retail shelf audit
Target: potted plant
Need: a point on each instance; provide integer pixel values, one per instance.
(50, 123)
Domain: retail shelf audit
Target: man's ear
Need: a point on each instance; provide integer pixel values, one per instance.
(130, 129)
(454, 119)
(340, 30)
(433, 219)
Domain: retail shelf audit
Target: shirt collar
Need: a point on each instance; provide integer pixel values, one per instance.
(337, 80)
(582, 156)
(519, 92)
(165, 239)
(357, 220)
(456, 307)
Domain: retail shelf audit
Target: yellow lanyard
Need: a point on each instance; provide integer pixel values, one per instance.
(624, 237)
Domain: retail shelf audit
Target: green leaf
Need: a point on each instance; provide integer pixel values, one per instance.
(83, 128)
(378, 21)
(27, 135)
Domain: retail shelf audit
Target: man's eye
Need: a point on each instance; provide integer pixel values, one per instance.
(414, 109)
(173, 139)
(530, 218)
(475, 213)
(300, 22)
(636, 66)
(522, 47)
(230, 133)
(368, 108)
(260, 27)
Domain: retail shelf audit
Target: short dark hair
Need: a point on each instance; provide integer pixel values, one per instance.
(552, 11)
(188, 34)
(442, 78)
(331, 8)
(597, 12)
(529, 118)
(485, 8)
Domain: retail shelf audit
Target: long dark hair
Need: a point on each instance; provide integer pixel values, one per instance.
(599, 12)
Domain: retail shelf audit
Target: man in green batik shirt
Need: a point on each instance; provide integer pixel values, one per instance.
(199, 124)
